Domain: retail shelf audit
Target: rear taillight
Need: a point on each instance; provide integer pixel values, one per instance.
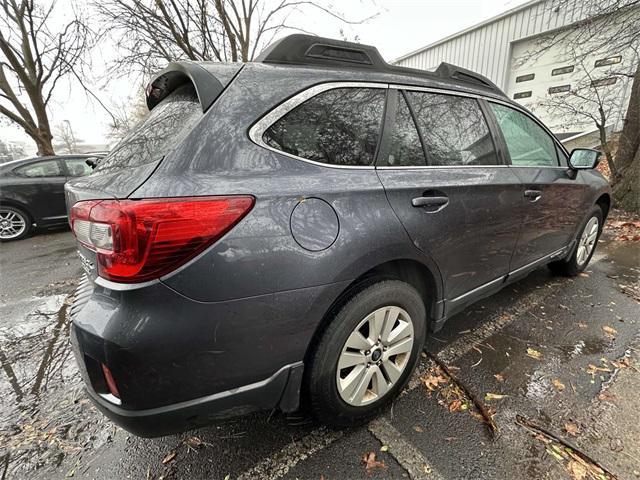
(139, 240)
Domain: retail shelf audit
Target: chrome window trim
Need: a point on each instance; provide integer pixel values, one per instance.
(423, 167)
(256, 131)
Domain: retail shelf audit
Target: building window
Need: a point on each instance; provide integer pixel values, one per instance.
(604, 81)
(525, 78)
(518, 95)
(603, 62)
(562, 70)
(559, 89)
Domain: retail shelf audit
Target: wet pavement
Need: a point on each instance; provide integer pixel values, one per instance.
(555, 360)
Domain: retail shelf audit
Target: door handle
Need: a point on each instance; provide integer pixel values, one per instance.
(534, 195)
(430, 201)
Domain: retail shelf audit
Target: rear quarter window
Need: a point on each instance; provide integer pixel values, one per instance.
(339, 127)
(165, 127)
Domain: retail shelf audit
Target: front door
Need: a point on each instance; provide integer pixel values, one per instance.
(448, 186)
(41, 184)
(550, 197)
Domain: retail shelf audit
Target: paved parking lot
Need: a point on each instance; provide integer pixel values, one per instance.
(554, 360)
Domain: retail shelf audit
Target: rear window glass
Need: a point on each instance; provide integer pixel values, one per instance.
(165, 127)
(339, 127)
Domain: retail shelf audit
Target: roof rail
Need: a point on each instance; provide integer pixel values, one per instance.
(301, 49)
(447, 70)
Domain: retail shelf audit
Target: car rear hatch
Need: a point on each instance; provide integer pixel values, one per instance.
(177, 99)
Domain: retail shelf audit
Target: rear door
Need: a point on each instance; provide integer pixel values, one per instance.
(448, 185)
(41, 183)
(549, 198)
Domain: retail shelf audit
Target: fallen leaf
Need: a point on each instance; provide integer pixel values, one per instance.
(169, 457)
(582, 325)
(592, 369)
(499, 377)
(534, 353)
(559, 385)
(194, 442)
(577, 470)
(583, 274)
(572, 429)
(455, 406)
(370, 462)
(418, 429)
(384, 448)
(624, 362)
(609, 331)
(494, 396)
(433, 381)
(606, 396)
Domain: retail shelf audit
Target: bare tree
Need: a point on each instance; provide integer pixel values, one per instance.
(68, 141)
(152, 32)
(33, 59)
(608, 28)
(126, 115)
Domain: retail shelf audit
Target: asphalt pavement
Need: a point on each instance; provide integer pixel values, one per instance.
(553, 362)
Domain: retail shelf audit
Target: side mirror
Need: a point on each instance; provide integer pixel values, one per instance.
(583, 159)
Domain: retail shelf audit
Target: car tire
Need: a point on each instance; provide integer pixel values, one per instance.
(15, 223)
(397, 312)
(582, 252)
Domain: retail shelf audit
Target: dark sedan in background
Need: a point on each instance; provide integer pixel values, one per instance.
(32, 192)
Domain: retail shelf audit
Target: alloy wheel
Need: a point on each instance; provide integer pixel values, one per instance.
(12, 224)
(587, 240)
(374, 356)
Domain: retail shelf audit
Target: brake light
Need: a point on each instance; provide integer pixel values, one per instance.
(139, 240)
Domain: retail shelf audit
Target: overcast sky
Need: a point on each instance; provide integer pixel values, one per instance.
(401, 27)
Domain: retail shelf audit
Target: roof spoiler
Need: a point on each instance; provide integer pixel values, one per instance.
(207, 86)
(301, 49)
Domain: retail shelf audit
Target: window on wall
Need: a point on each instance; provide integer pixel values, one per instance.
(525, 78)
(559, 89)
(562, 70)
(453, 129)
(49, 168)
(603, 62)
(338, 127)
(519, 95)
(528, 143)
(604, 81)
(406, 147)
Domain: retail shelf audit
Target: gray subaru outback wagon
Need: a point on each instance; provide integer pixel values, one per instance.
(287, 231)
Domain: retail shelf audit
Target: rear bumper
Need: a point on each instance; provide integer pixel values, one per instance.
(180, 364)
(283, 387)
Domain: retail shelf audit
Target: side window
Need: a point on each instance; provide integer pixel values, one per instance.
(527, 142)
(49, 168)
(454, 130)
(339, 127)
(406, 148)
(77, 167)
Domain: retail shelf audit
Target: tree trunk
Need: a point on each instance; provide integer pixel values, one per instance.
(606, 148)
(630, 137)
(626, 193)
(43, 142)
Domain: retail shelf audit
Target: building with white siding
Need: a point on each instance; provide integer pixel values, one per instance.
(500, 48)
